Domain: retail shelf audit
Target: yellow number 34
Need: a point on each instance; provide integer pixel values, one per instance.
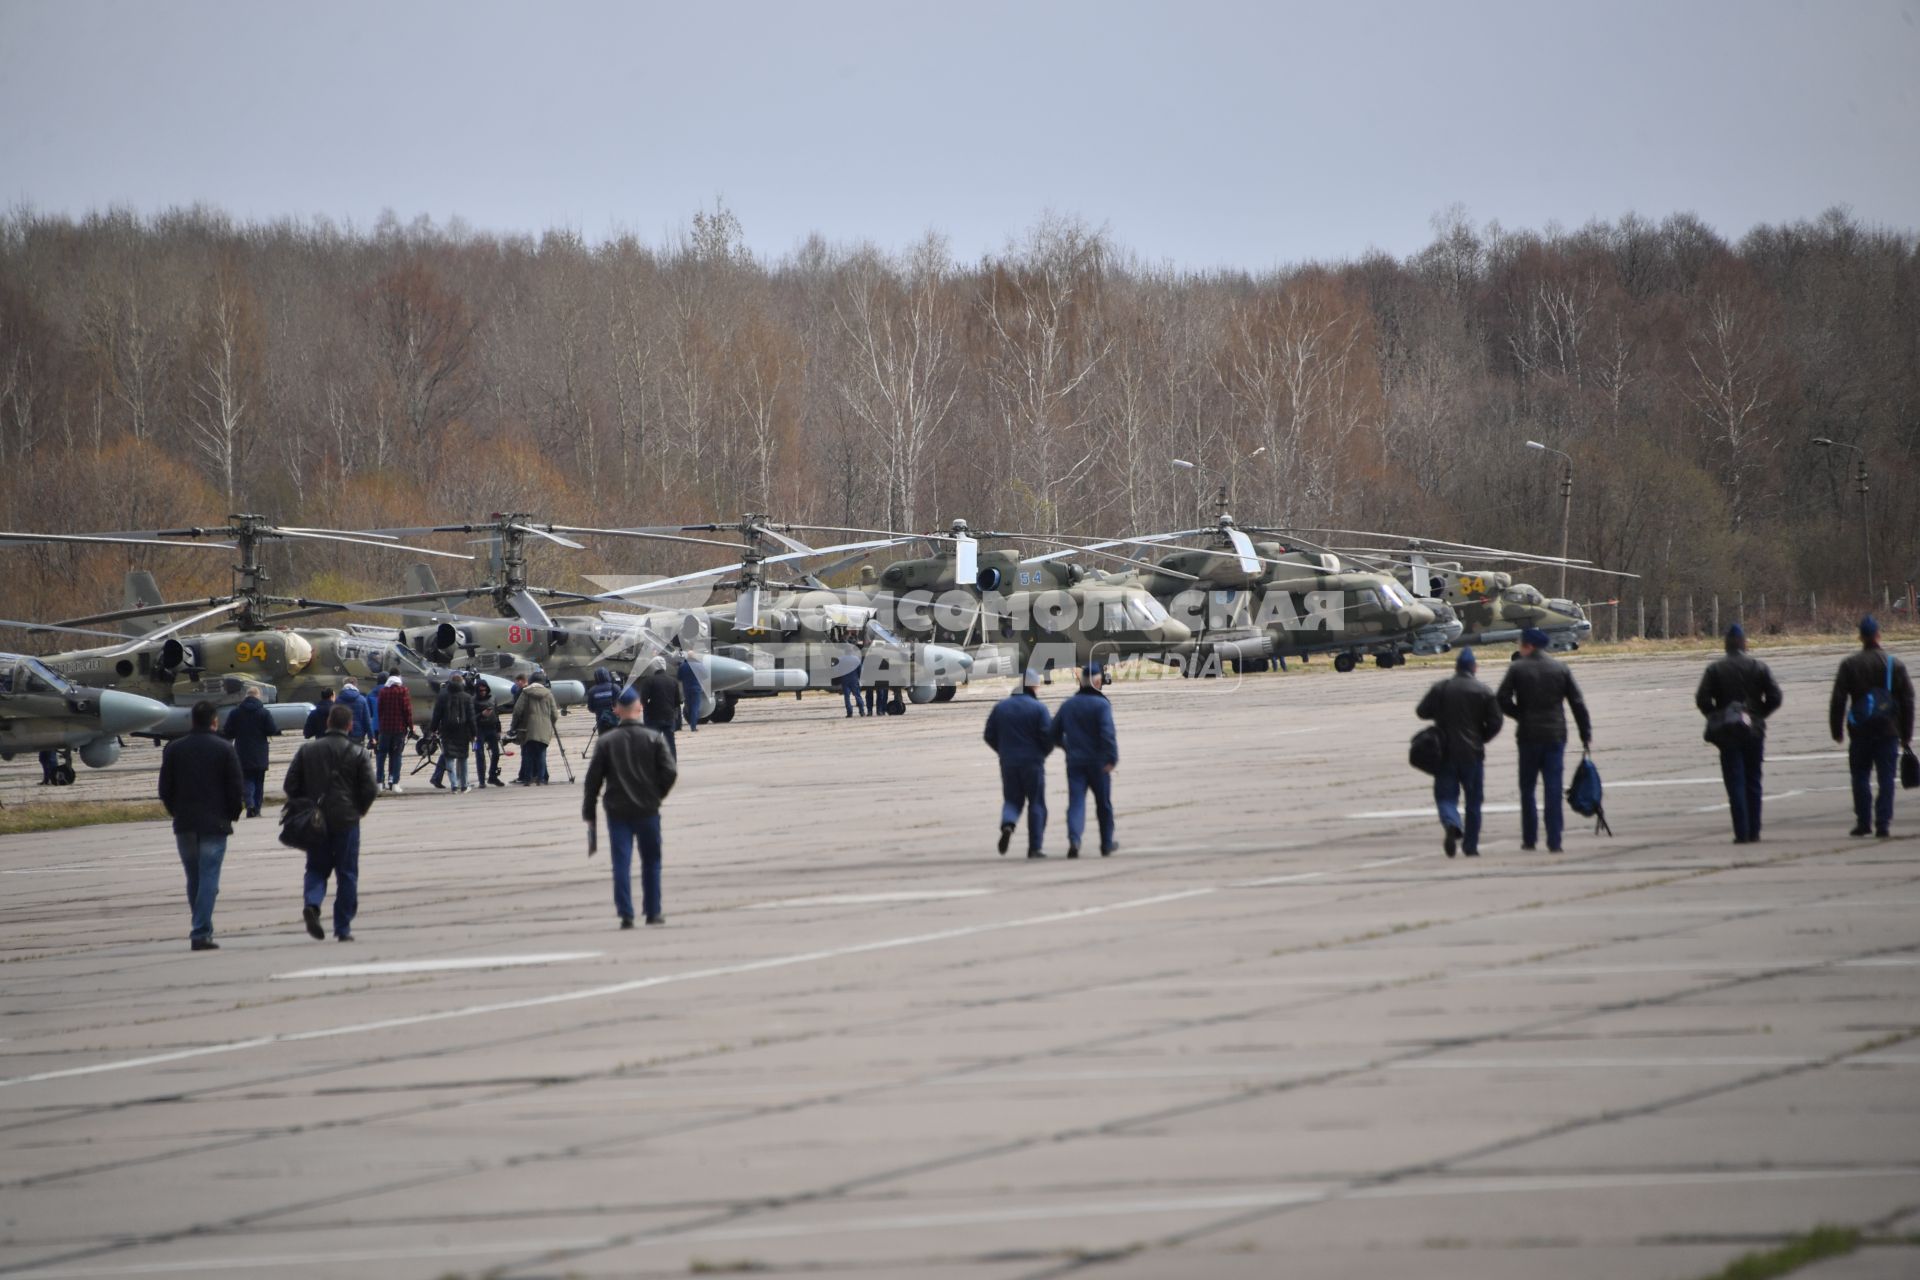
(254, 652)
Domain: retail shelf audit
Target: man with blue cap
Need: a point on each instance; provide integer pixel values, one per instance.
(1084, 728)
(1020, 731)
(1873, 700)
(1535, 694)
(1468, 717)
(1737, 694)
(634, 765)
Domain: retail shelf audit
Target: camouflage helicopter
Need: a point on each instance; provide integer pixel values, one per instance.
(1493, 608)
(1252, 603)
(525, 637)
(793, 635)
(1049, 613)
(40, 710)
(158, 661)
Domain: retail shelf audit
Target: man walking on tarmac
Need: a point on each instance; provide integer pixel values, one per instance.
(660, 701)
(1535, 694)
(1468, 717)
(1021, 732)
(1084, 729)
(395, 706)
(636, 769)
(335, 773)
(1873, 697)
(1736, 695)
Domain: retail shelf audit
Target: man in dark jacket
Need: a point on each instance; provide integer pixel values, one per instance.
(453, 720)
(249, 725)
(486, 735)
(317, 718)
(1468, 717)
(1083, 727)
(1535, 694)
(1742, 680)
(201, 786)
(660, 701)
(600, 696)
(634, 765)
(1021, 732)
(395, 707)
(335, 773)
(1873, 700)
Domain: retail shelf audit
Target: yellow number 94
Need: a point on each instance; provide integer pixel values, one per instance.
(254, 652)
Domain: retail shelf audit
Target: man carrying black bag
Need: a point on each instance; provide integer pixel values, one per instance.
(1466, 716)
(1736, 695)
(1873, 697)
(336, 776)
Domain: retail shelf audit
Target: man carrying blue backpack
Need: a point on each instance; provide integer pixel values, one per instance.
(1873, 701)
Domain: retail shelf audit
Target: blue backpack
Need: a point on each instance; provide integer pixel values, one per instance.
(1583, 796)
(1872, 713)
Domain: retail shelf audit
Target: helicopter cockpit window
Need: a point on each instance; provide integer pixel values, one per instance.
(1146, 612)
(1113, 616)
(33, 677)
(884, 636)
(1366, 598)
(407, 660)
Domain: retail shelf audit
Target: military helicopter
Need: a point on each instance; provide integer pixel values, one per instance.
(1493, 608)
(525, 637)
(1253, 603)
(1051, 614)
(40, 710)
(157, 661)
(794, 635)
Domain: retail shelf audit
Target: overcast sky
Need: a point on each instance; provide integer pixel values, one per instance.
(1204, 133)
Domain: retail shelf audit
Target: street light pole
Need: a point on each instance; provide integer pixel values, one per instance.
(1860, 487)
(1566, 509)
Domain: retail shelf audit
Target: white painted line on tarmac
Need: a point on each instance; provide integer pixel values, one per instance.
(267, 1262)
(868, 899)
(600, 992)
(1426, 811)
(384, 968)
(1315, 875)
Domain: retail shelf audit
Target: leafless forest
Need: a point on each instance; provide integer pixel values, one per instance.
(169, 370)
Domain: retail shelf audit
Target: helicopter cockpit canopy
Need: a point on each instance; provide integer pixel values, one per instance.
(1524, 594)
(21, 674)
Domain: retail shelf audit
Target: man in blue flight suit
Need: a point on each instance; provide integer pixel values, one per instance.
(600, 696)
(1084, 728)
(1020, 732)
(690, 692)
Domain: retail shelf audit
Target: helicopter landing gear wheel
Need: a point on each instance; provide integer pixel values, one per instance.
(946, 693)
(1343, 662)
(724, 709)
(63, 774)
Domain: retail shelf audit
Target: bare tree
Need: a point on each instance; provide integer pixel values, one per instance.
(899, 379)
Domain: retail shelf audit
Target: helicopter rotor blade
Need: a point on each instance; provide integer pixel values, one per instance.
(108, 540)
(529, 609)
(144, 611)
(133, 646)
(310, 535)
(36, 628)
(539, 532)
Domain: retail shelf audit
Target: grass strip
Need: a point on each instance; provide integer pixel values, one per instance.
(1815, 1245)
(22, 819)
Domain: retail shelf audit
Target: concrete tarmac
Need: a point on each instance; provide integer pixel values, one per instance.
(1277, 1034)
